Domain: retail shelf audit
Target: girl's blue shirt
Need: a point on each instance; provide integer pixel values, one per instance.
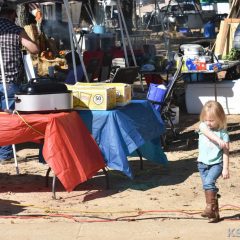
(209, 152)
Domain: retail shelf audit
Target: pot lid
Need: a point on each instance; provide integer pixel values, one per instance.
(191, 47)
(43, 86)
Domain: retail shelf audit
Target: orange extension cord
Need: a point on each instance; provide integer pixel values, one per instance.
(136, 217)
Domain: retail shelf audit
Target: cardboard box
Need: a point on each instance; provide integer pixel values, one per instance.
(93, 97)
(123, 91)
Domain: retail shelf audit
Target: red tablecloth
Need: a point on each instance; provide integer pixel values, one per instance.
(68, 148)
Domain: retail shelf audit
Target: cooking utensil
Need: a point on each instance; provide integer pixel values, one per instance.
(43, 95)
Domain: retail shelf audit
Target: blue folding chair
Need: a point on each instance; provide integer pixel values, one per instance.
(161, 96)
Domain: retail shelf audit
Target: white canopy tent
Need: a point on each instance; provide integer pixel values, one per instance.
(73, 38)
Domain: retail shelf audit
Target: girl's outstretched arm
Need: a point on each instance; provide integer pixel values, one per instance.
(213, 137)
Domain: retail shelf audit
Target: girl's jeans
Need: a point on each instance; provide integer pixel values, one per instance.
(209, 175)
(6, 152)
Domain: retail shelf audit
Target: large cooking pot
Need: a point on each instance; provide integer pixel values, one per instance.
(43, 95)
(191, 50)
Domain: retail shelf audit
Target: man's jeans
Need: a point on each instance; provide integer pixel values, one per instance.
(209, 175)
(6, 152)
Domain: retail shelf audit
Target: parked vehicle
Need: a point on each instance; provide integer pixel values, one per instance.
(184, 9)
(178, 9)
(186, 15)
(175, 16)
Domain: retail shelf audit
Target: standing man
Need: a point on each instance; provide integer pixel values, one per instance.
(12, 39)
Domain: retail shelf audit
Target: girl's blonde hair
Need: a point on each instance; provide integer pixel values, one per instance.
(215, 110)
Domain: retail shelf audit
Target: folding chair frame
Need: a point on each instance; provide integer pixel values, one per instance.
(165, 110)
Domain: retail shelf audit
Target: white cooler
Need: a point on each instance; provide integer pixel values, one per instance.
(228, 94)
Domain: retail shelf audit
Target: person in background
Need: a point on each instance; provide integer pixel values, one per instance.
(12, 39)
(36, 12)
(67, 75)
(70, 79)
(213, 158)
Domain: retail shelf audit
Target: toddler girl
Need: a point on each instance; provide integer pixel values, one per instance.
(213, 158)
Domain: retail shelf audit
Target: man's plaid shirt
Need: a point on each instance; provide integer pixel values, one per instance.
(11, 51)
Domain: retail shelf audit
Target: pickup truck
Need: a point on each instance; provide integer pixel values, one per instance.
(178, 9)
(186, 13)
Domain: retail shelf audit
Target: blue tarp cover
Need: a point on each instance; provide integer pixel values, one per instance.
(121, 131)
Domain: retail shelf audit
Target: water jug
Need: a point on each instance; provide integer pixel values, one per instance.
(209, 30)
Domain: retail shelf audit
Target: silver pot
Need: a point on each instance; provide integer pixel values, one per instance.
(44, 102)
(41, 95)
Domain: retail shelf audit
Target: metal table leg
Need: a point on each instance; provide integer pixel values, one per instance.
(141, 159)
(215, 86)
(106, 177)
(54, 187)
(53, 183)
(47, 176)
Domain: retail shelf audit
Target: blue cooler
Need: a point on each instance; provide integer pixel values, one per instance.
(156, 94)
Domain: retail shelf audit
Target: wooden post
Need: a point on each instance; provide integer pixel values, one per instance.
(225, 35)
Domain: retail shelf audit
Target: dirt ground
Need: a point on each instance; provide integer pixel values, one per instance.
(161, 202)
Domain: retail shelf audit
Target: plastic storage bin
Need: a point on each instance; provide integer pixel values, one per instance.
(197, 94)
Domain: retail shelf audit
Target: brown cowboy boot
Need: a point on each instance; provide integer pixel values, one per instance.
(208, 208)
(212, 210)
(215, 217)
